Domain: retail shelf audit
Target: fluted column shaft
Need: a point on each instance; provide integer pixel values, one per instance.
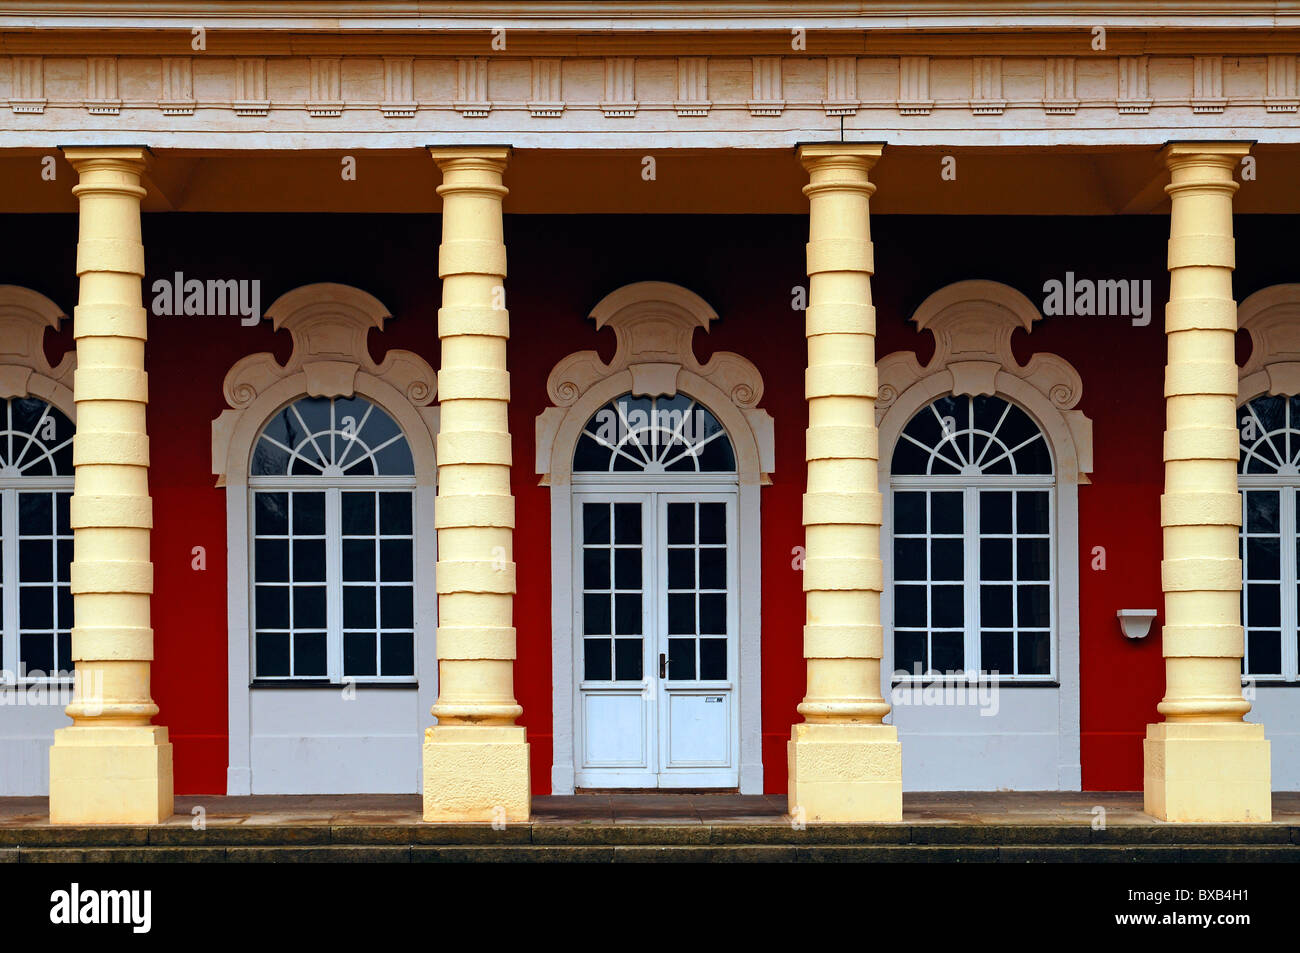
(476, 759)
(845, 765)
(1203, 763)
(112, 765)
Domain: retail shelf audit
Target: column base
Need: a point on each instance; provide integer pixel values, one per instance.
(474, 773)
(846, 774)
(111, 775)
(1207, 773)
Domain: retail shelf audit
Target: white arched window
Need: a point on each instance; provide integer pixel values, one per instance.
(328, 465)
(1269, 478)
(35, 539)
(332, 487)
(974, 549)
(981, 459)
(654, 462)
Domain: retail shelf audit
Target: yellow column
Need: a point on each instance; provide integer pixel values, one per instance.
(1203, 762)
(112, 765)
(476, 757)
(845, 764)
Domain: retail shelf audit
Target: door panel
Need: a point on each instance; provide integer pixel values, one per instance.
(657, 611)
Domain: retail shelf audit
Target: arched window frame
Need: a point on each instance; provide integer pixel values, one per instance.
(654, 323)
(25, 317)
(1271, 317)
(329, 325)
(973, 323)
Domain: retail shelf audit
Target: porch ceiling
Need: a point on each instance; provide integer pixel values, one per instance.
(1015, 181)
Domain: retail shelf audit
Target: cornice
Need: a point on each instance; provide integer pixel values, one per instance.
(673, 14)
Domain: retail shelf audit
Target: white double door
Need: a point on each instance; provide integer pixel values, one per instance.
(655, 606)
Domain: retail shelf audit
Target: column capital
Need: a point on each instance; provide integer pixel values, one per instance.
(128, 156)
(1210, 157)
(493, 154)
(819, 154)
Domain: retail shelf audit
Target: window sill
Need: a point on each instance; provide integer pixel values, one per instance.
(303, 683)
(940, 682)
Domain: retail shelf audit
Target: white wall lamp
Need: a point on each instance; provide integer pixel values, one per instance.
(1136, 623)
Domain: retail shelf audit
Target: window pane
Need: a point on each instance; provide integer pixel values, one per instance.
(272, 607)
(909, 606)
(595, 568)
(597, 666)
(1033, 606)
(1262, 510)
(395, 514)
(909, 513)
(1032, 513)
(947, 608)
(358, 514)
(272, 654)
(627, 614)
(995, 653)
(397, 654)
(946, 513)
(36, 654)
(946, 652)
(308, 514)
(309, 654)
(627, 522)
(1263, 605)
(1034, 653)
(309, 560)
(395, 560)
(681, 614)
(309, 607)
(36, 560)
(271, 560)
(271, 514)
(359, 654)
(1264, 652)
(35, 514)
(909, 559)
(713, 522)
(1033, 559)
(395, 607)
(681, 569)
(995, 559)
(713, 614)
(595, 523)
(995, 608)
(995, 512)
(359, 560)
(1263, 561)
(946, 559)
(596, 617)
(909, 652)
(681, 523)
(358, 607)
(627, 568)
(713, 658)
(627, 659)
(681, 659)
(713, 569)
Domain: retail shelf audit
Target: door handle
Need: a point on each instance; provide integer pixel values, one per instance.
(663, 665)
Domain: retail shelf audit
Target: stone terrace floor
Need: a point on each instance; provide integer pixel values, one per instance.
(947, 808)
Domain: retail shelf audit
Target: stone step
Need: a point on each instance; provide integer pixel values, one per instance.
(640, 842)
(660, 853)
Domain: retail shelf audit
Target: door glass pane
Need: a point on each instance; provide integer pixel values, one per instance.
(613, 561)
(698, 597)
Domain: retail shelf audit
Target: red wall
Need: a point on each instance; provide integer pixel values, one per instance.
(746, 268)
